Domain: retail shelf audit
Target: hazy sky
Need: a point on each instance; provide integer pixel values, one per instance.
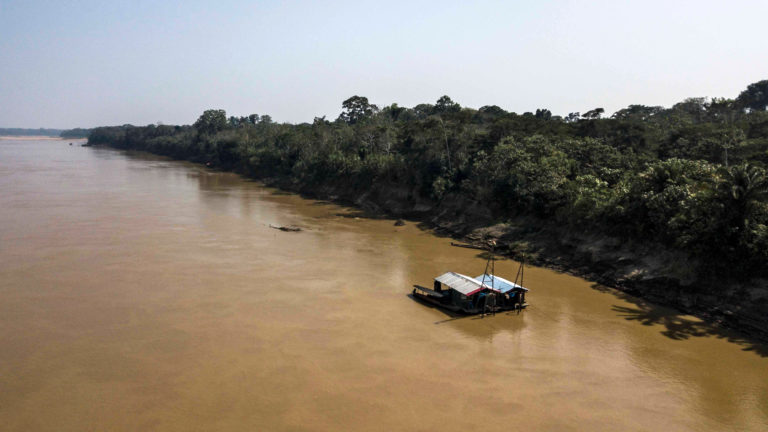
(80, 63)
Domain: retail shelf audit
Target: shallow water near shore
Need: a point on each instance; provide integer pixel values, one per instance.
(138, 293)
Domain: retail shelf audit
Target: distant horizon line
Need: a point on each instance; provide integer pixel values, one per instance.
(160, 122)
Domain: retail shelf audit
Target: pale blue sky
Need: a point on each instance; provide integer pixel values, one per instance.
(81, 63)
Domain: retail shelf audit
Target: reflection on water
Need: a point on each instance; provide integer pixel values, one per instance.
(139, 293)
(681, 327)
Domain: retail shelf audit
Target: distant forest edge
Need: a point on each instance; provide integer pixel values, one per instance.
(68, 133)
(75, 133)
(30, 132)
(690, 178)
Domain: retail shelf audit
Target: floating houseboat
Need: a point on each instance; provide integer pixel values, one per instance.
(484, 294)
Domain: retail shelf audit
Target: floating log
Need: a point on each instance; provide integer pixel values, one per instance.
(468, 246)
(289, 228)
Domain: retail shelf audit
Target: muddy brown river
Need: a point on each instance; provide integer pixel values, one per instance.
(141, 294)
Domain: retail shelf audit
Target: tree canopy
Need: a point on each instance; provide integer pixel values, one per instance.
(212, 121)
(755, 96)
(356, 109)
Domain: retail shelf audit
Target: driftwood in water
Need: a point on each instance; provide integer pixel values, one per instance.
(289, 228)
(468, 246)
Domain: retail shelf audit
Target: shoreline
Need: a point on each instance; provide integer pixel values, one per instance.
(643, 270)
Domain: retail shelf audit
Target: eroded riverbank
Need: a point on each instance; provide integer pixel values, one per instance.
(142, 293)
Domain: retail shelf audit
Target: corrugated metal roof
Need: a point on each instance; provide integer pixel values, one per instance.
(461, 283)
(499, 283)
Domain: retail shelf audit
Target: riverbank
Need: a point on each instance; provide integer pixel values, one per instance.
(646, 270)
(643, 269)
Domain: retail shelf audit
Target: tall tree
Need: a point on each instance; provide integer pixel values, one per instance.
(755, 96)
(593, 114)
(211, 121)
(446, 105)
(744, 189)
(544, 114)
(356, 109)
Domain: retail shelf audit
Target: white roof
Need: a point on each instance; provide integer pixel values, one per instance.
(461, 283)
(499, 283)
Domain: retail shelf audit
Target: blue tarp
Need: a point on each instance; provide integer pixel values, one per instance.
(498, 283)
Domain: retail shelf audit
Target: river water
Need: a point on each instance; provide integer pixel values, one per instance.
(138, 293)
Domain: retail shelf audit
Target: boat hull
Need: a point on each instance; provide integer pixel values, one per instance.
(437, 301)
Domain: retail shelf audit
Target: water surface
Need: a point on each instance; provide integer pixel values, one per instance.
(138, 293)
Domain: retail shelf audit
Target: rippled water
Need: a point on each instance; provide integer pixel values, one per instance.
(138, 293)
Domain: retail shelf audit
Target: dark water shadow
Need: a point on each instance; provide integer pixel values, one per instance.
(362, 214)
(452, 316)
(676, 326)
(278, 192)
(427, 226)
(456, 316)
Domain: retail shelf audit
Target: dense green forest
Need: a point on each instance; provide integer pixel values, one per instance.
(691, 177)
(75, 133)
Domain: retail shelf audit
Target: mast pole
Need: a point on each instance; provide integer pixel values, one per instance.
(490, 263)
